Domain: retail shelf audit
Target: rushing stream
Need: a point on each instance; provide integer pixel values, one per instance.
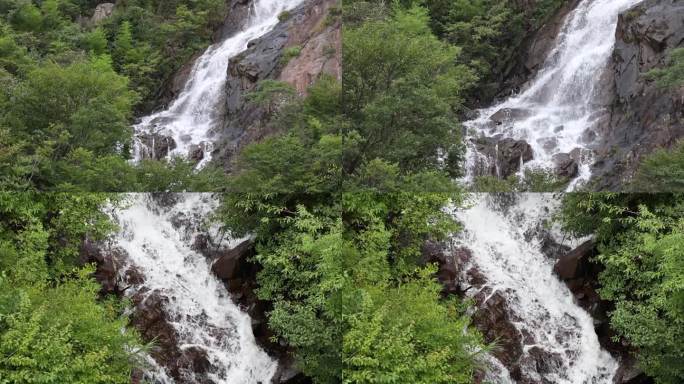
(192, 118)
(158, 242)
(557, 109)
(560, 344)
(199, 307)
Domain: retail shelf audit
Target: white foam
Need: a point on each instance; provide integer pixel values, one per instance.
(514, 266)
(192, 118)
(563, 94)
(199, 306)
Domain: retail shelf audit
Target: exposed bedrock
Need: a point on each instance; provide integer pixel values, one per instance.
(641, 116)
(310, 34)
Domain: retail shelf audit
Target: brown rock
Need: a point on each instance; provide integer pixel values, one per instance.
(574, 263)
(492, 319)
(227, 265)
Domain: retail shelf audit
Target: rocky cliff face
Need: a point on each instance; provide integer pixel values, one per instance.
(643, 117)
(313, 30)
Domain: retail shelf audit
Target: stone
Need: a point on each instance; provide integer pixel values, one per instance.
(156, 146)
(565, 165)
(448, 264)
(504, 155)
(504, 115)
(196, 152)
(493, 321)
(102, 11)
(574, 263)
(509, 155)
(227, 265)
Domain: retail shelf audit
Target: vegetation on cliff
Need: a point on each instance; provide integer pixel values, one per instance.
(663, 170)
(640, 241)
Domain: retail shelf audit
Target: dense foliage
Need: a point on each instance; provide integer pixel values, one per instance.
(54, 327)
(70, 86)
(671, 75)
(343, 198)
(489, 32)
(641, 246)
(663, 170)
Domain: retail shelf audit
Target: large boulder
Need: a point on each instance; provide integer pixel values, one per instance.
(565, 165)
(156, 146)
(502, 157)
(576, 263)
(227, 266)
(102, 11)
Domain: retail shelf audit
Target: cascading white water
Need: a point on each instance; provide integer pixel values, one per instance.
(203, 314)
(558, 107)
(542, 307)
(157, 240)
(192, 117)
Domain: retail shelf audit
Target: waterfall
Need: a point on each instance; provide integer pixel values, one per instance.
(504, 239)
(557, 109)
(193, 117)
(158, 242)
(158, 238)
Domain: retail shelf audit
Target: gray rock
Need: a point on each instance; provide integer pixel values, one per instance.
(641, 116)
(504, 155)
(157, 146)
(504, 115)
(102, 11)
(565, 165)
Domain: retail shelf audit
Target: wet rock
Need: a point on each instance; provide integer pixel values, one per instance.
(504, 155)
(287, 372)
(152, 322)
(447, 264)
(157, 146)
(551, 248)
(565, 165)
(629, 373)
(576, 263)
(548, 143)
(192, 359)
(110, 267)
(196, 152)
(505, 115)
(541, 362)
(235, 20)
(227, 265)
(509, 156)
(492, 319)
(102, 11)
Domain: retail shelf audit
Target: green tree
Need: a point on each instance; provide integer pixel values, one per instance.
(640, 239)
(402, 90)
(54, 327)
